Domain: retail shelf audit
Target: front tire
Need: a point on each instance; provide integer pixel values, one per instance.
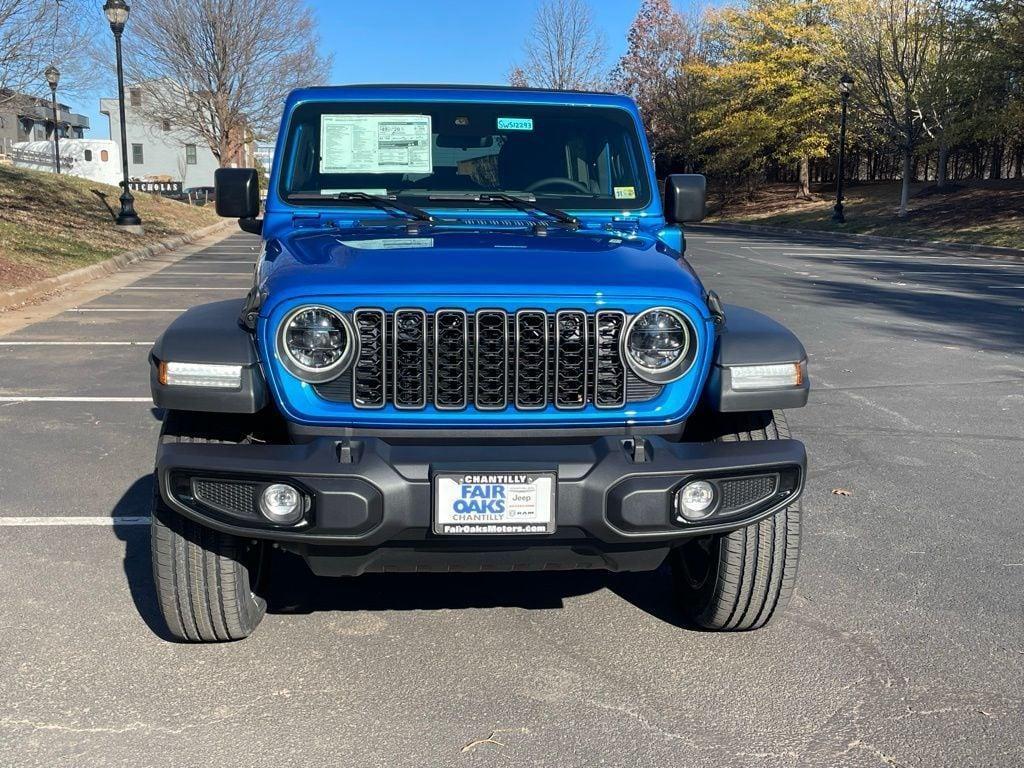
(206, 581)
(741, 579)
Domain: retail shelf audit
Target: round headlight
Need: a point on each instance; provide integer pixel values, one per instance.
(657, 345)
(316, 343)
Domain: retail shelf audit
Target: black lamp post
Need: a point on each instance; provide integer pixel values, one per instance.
(116, 12)
(52, 75)
(845, 86)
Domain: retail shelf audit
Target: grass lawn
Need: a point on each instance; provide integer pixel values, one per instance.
(52, 224)
(984, 212)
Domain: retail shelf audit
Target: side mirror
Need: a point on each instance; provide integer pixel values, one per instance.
(237, 192)
(685, 197)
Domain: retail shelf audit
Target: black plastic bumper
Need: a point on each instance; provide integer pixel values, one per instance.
(370, 501)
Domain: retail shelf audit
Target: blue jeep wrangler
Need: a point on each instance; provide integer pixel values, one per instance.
(472, 343)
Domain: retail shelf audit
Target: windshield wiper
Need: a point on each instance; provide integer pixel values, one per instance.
(385, 204)
(376, 201)
(519, 203)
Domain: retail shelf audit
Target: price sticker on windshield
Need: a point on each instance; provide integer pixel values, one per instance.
(515, 123)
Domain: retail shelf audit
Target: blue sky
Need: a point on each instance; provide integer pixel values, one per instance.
(424, 41)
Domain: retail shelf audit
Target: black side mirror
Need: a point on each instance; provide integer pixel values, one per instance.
(237, 192)
(685, 197)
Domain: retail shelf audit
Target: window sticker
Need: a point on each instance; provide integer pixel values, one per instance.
(625, 193)
(515, 123)
(375, 144)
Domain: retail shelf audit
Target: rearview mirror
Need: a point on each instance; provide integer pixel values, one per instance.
(685, 197)
(237, 192)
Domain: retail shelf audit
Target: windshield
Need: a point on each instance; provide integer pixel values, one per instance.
(446, 154)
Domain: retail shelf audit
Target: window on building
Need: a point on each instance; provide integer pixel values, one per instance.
(137, 154)
(166, 125)
(104, 155)
(135, 96)
(190, 154)
(88, 155)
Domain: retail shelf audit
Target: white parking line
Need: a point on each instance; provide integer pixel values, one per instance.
(74, 343)
(75, 520)
(123, 309)
(193, 262)
(27, 399)
(247, 274)
(176, 288)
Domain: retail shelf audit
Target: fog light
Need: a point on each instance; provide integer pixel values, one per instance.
(695, 500)
(281, 504)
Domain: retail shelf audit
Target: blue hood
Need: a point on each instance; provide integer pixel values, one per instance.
(596, 266)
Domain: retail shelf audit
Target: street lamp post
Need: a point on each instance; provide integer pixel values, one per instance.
(52, 75)
(116, 12)
(845, 86)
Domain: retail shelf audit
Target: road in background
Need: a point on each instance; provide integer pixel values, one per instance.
(903, 646)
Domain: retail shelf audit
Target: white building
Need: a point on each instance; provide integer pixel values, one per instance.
(159, 151)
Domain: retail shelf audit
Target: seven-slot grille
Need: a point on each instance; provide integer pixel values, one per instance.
(490, 360)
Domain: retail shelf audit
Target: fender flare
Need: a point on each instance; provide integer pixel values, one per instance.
(209, 333)
(748, 337)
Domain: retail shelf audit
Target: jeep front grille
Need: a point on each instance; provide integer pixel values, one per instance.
(489, 360)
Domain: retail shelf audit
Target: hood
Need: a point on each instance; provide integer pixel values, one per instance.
(592, 265)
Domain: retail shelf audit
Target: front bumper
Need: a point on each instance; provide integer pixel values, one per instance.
(370, 500)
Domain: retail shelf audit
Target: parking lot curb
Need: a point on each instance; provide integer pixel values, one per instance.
(991, 251)
(18, 296)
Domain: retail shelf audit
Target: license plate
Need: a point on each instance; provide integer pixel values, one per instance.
(494, 503)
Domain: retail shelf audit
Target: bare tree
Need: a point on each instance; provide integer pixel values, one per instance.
(36, 33)
(565, 49)
(890, 46)
(222, 68)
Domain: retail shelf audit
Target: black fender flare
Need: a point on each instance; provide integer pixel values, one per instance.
(209, 333)
(748, 337)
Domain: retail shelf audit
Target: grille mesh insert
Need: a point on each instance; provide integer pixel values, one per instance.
(226, 496)
(531, 359)
(571, 359)
(451, 359)
(609, 371)
(491, 359)
(369, 375)
(740, 492)
(410, 353)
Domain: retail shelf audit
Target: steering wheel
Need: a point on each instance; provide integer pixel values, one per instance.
(550, 180)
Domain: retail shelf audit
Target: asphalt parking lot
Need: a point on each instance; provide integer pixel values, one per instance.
(903, 647)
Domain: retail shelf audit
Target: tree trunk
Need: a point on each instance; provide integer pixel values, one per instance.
(804, 189)
(908, 169)
(940, 169)
(995, 170)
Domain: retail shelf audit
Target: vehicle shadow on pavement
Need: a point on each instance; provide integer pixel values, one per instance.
(294, 589)
(138, 569)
